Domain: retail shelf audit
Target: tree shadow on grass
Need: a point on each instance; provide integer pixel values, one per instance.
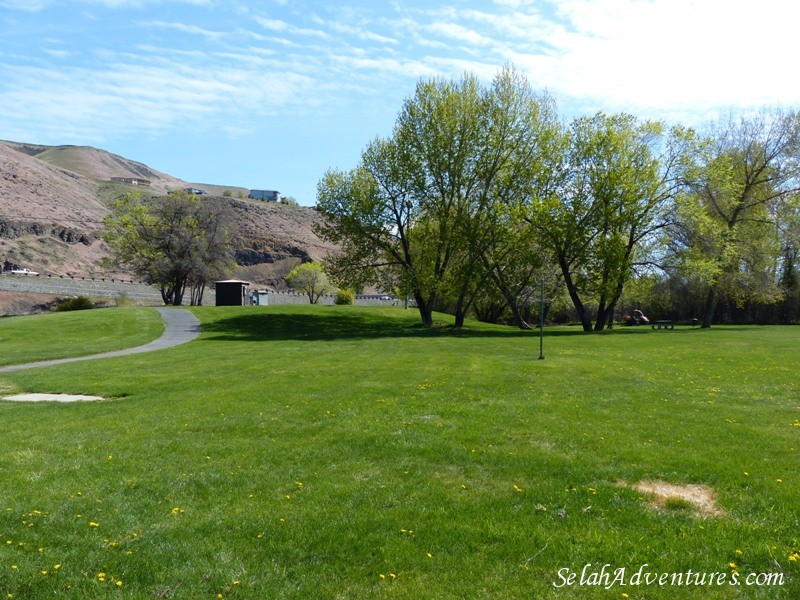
(263, 327)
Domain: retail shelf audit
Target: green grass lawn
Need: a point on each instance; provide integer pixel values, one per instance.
(345, 452)
(66, 334)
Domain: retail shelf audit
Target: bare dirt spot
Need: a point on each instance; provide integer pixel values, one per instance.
(51, 398)
(667, 495)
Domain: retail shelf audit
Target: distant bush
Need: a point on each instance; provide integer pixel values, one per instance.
(77, 303)
(344, 297)
(227, 194)
(122, 299)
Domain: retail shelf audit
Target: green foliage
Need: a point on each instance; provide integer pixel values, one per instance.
(732, 223)
(227, 194)
(619, 180)
(427, 210)
(344, 297)
(76, 303)
(310, 279)
(453, 463)
(176, 242)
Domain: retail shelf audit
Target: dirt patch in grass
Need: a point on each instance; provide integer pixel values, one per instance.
(669, 496)
(51, 398)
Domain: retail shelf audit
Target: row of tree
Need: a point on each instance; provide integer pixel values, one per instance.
(481, 192)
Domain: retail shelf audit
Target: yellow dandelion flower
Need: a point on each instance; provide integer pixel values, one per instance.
(382, 576)
(392, 575)
(739, 553)
(119, 583)
(517, 489)
(732, 565)
(57, 567)
(236, 582)
(44, 572)
(93, 524)
(430, 555)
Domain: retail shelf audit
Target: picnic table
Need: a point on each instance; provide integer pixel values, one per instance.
(662, 325)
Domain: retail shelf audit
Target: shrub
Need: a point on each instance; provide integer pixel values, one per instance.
(77, 303)
(344, 297)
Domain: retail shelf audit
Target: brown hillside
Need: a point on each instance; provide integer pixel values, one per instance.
(53, 200)
(100, 165)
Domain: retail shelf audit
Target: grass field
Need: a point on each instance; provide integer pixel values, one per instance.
(60, 335)
(344, 452)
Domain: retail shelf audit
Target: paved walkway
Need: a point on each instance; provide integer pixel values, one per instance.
(180, 326)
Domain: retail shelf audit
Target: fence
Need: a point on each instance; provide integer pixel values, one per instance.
(98, 287)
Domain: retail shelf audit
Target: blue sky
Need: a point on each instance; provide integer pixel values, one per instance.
(270, 94)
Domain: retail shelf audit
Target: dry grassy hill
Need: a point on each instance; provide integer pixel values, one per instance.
(53, 200)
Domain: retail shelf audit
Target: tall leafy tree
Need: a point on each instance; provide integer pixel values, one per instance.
(177, 242)
(727, 233)
(612, 194)
(311, 279)
(418, 213)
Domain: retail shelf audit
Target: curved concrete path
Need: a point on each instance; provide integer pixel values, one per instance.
(180, 326)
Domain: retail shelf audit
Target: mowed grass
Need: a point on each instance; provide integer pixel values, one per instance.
(66, 334)
(345, 452)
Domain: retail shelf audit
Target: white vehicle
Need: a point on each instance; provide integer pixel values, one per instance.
(24, 271)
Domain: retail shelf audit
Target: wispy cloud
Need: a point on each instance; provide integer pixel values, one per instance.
(185, 28)
(284, 27)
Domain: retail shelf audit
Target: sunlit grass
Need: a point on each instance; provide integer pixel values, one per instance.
(65, 334)
(320, 452)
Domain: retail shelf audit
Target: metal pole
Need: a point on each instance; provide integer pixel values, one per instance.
(541, 324)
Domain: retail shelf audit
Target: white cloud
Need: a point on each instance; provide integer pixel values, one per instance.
(360, 33)
(459, 33)
(284, 27)
(186, 28)
(669, 55)
(26, 5)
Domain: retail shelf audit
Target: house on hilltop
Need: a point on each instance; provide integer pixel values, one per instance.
(195, 191)
(265, 195)
(131, 180)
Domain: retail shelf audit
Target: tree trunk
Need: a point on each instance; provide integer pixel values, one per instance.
(508, 296)
(576, 299)
(521, 322)
(711, 305)
(460, 310)
(602, 316)
(425, 308)
(610, 323)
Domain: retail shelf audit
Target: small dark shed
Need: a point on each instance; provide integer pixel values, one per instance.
(231, 292)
